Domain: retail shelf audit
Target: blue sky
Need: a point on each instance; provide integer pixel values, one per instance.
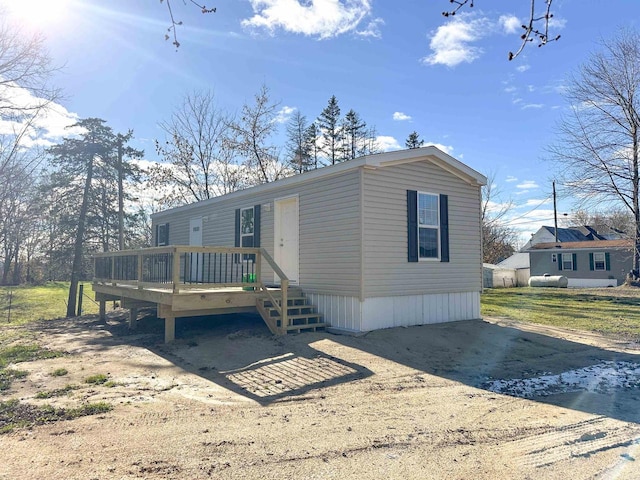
(401, 65)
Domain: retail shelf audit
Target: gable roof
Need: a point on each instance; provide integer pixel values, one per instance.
(584, 245)
(379, 160)
(575, 234)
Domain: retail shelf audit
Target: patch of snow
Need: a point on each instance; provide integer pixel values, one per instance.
(600, 378)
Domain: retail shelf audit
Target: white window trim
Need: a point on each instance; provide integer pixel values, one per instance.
(437, 227)
(604, 262)
(570, 257)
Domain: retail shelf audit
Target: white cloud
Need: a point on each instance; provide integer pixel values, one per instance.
(533, 105)
(555, 22)
(527, 184)
(372, 30)
(284, 114)
(316, 18)
(50, 125)
(511, 178)
(399, 116)
(387, 143)
(510, 23)
(534, 202)
(445, 148)
(523, 68)
(510, 89)
(452, 42)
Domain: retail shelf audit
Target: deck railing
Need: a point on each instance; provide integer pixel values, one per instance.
(184, 268)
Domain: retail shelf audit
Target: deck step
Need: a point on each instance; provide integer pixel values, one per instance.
(301, 314)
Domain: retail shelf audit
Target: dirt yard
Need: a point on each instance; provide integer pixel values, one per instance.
(228, 400)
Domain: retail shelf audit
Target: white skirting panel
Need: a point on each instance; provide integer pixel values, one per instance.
(349, 313)
(404, 311)
(338, 311)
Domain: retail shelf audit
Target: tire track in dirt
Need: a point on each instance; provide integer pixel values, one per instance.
(581, 439)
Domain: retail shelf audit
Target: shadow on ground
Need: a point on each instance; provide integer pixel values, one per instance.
(239, 353)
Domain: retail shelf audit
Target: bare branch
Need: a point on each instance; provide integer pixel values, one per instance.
(175, 23)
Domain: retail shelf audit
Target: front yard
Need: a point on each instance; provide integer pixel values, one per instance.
(610, 311)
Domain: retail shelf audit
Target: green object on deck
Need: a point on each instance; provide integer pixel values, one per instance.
(248, 278)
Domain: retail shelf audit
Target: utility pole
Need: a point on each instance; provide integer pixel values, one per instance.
(555, 211)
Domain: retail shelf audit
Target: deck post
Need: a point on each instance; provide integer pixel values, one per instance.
(133, 318)
(176, 270)
(284, 288)
(103, 310)
(169, 329)
(139, 274)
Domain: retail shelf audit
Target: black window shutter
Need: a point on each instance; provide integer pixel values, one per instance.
(157, 240)
(444, 228)
(256, 226)
(607, 260)
(559, 261)
(591, 265)
(574, 257)
(412, 225)
(237, 231)
(166, 234)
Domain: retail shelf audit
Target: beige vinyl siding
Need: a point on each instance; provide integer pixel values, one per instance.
(329, 220)
(386, 268)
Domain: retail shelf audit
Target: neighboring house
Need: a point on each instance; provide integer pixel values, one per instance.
(594, 263)
(386, 240)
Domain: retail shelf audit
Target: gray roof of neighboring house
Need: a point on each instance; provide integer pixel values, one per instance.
(575, 234)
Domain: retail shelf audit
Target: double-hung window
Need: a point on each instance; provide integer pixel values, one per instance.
(599, 261)
(567, 261)
(428, 226)
(247, 230)
(246, 227)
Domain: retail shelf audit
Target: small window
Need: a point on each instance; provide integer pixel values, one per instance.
(162, 235)
(428, 226)
(599, 262)
(246, 227)
(567, 261)
(554, 257)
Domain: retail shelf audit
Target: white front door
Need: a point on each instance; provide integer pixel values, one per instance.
(195, 239)
(286, 236)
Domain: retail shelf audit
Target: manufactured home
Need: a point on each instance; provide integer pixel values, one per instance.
(385, 240)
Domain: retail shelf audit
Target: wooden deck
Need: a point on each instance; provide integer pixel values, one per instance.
(186, 281)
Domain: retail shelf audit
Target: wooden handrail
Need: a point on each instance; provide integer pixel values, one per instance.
(177, 252)
(284, 287)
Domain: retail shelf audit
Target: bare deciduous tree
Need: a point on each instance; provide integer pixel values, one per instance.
(598, 143)
(252, 136)
(198, 158)
(498, 239)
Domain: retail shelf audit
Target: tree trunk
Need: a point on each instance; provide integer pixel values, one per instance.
(77, 249)
(120, 197)
(636, 204)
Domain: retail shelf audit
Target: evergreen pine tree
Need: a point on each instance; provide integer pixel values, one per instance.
(332, 134)
(413, 140)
